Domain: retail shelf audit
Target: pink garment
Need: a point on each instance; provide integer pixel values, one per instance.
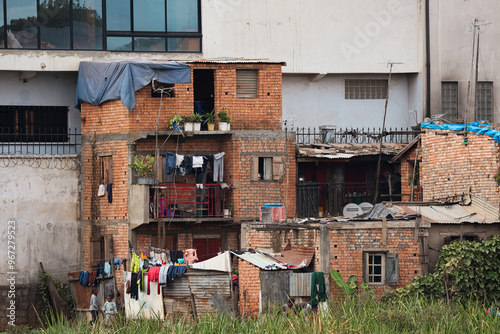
(190, 256)
(153, 275)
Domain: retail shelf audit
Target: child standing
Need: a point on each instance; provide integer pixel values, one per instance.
(94, 308)
(109, 309)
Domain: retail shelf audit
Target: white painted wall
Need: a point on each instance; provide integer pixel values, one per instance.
(451, 48)
(310, 104)
(44, 89)
(44, 204)
(311, 36)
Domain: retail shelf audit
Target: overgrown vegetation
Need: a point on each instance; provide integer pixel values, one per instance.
(47, 313)
(358, 313)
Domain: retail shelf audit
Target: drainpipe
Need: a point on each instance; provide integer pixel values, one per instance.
(428, 59)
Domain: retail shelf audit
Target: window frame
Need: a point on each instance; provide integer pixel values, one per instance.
(105, 33)
(247, 87)
(362, 89)
(389, 267)
(445, 87)
(488, 86)
(277, 167)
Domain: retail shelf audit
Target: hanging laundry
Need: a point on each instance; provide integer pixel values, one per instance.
(218, 166)
(153, 276)
(109, 190)
(318, 289)
(107, 269)
(197, 162)
(190, 256)
(92, 277)
(84, 278)
(135, 265)
(178, 160)
(186, 165)
(116, 263)
(162, 276)
(169, 162)
(134, 288)
(100, 269)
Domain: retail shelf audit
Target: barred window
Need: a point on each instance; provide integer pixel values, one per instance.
(449, 100)
(365, 89)
(484, 100)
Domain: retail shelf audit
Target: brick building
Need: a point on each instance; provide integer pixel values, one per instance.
(258, 157)
(383, 253)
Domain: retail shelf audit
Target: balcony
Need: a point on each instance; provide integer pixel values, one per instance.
(191, 201)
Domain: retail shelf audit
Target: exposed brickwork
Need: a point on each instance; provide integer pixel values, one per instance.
(249, 281)
(407, 164)
(449, 167)
(347, 247)
(110, 129)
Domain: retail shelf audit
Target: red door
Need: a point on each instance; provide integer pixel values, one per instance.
(206, 248)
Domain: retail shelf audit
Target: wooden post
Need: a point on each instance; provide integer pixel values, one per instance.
(384, 231)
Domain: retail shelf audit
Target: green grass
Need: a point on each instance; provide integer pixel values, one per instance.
(355, 314)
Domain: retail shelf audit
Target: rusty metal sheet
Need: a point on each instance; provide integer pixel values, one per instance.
(81, 293)
(207, 286)
(179, 288)
(177, 307)
(297, 255)
(275, 287)
(300, 284)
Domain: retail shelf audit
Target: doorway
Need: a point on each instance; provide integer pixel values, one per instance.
(203, 84)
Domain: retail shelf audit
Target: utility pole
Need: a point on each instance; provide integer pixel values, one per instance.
(377, 176)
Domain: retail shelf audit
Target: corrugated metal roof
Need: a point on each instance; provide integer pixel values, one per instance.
(490, 211)
(258, 259)
(452, 214)
(297, 255)
(234, 61)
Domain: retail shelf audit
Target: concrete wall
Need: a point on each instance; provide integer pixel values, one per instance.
(317, 36)
(44, 203)
(43, 89)
(310, 104)
(451, 48)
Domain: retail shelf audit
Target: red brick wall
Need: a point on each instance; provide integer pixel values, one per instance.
(450, 168)
(347, 247)
(249, 280)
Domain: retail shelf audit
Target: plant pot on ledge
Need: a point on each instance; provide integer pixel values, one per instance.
(146, 180)
(210, 126)
(188, 126)
(223, 126)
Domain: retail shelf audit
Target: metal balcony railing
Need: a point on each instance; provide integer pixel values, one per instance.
(40, 141)
(192, 201)
(354, 136)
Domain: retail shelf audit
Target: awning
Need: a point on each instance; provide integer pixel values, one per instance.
(100, 81)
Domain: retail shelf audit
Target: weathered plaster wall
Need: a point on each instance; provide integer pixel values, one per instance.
(44, 203)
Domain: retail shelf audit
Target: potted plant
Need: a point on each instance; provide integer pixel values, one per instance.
(188, 123)
(175, 123)
(143, 167)
(197, 119)
(225, 120)
(210, 120)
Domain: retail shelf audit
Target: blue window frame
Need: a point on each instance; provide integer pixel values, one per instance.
(114, 25)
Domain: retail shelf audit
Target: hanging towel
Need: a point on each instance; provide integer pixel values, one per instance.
(318, 289)
(218, 166)
(197, 162)
(162, 276)
(153, 276)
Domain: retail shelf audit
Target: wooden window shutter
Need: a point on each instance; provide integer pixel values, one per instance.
(254, 168)
(107, 169)
(246, 83)
(278, 168)
(392, 269)
(96, 251)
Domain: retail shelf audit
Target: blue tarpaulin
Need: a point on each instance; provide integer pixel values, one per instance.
(100, 81)
(471, 127)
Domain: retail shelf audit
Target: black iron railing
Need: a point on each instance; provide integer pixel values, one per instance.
(40, 141)
(332, 135)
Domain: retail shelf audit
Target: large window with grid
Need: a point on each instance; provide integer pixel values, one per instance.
(449, 100)
(114, 25)
(365, 89)
(484, 101)
(33, 124)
